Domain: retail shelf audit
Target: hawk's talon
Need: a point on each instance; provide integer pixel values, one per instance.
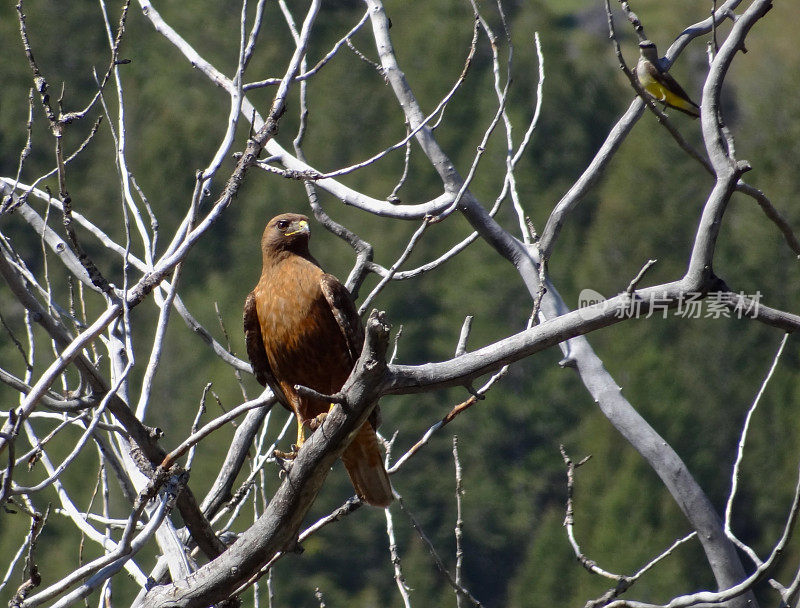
(285, 460)
(316, 421)
(285, 455)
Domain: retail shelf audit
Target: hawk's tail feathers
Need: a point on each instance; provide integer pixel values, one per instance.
(364, 465)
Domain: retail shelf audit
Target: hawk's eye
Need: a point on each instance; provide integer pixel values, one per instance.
(283, 224)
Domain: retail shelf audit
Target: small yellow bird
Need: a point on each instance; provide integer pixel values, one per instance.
(659, 84)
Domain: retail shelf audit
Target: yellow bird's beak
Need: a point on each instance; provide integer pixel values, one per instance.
(302, 226)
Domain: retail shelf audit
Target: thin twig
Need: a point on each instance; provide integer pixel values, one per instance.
(435, 555)
(400, 261)
(740, 455)
(447, 419)
(459, 529)
(394, 554)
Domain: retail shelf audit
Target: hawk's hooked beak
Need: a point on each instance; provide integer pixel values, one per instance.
(301, 226)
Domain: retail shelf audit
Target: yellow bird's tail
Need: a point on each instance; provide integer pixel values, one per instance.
(674, 98)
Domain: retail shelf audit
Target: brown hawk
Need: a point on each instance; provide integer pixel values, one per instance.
(301, 327)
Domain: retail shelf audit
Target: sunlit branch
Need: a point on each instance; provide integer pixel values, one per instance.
(304, 76)
(740, 455)
(394, 555)
(78, 518)
(714, 598)
(103, 567)
(400, 261)
(212, 426)
(465, 593)
(459, 528)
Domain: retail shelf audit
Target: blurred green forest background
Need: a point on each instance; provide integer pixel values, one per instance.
(692, 379)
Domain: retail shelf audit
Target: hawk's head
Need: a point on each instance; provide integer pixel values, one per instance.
(286, 232)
